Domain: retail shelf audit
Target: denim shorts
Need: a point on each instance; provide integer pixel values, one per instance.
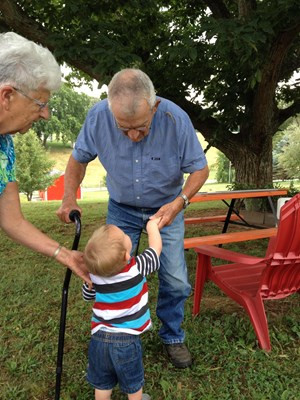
(115, 358)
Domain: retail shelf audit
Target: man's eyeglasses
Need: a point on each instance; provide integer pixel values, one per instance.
(140, 129)
(36, 101)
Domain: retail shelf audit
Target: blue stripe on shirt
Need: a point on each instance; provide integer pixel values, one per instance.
(120, 296)
(135, 324)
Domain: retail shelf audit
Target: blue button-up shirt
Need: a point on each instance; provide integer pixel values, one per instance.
(148, 173)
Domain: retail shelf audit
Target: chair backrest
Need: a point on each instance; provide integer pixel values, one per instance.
(281, 277)
(280, 203)
(288, 236)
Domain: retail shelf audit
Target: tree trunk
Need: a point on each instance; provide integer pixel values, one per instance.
(253, 168)
(44, 141)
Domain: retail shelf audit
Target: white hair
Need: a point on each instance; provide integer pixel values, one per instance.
(134, 85)
(27, 65)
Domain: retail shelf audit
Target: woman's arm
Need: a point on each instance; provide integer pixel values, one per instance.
(22, 231)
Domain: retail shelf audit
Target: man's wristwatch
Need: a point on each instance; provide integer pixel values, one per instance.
(185, 199)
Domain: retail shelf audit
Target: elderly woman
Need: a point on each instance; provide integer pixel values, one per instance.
(28, 75)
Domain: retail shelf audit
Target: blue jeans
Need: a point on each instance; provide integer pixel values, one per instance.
(115, 358)
(174, 287)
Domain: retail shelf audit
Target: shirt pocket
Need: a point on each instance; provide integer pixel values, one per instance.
(163, 169)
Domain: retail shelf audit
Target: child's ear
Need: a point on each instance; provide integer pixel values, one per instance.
(127, 256)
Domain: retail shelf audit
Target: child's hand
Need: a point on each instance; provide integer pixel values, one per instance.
(153, 222)
(154, 237)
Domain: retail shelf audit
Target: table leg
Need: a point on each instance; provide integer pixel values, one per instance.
(228, 216)
(273, 210)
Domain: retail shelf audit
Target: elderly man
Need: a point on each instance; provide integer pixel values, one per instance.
(28, 75)
(146, 144)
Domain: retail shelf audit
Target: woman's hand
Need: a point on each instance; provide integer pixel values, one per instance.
(74, 260)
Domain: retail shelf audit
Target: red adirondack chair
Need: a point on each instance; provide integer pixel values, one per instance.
(251, 280)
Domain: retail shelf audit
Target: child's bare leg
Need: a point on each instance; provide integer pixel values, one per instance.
(102, 394)
(136, 395)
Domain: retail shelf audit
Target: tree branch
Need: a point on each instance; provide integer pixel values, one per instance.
(291, 64)
(246, 7)
(277, 55)
(265, 94)
(3, 26)
(288, 112)
(209, 127)
(14, 18)
(218, 8)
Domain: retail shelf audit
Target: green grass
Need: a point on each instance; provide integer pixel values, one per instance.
(228, 364)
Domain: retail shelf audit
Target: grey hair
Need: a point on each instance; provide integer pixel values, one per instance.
(27, 65)
(134, 85)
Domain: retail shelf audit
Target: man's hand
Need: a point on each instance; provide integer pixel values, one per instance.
(168, 212)
(64, 210)
(193, 183)
(74, 175)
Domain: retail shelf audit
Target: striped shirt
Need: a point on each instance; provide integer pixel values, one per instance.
(121, 301)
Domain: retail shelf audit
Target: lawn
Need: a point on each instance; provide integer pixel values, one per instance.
(228, 365)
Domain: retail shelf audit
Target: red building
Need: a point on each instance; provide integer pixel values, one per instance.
(56, 191)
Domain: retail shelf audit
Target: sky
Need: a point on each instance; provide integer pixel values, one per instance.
(93, 92)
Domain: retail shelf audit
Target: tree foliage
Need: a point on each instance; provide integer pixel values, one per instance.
(33, 166)
(68, 109)
(279, 172)
(224, 171)
(221, 61)
(288, 158)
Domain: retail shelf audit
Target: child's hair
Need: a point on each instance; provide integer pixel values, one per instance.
(104, 253)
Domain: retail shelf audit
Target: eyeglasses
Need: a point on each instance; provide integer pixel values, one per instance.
(140, 129)
(36, 101)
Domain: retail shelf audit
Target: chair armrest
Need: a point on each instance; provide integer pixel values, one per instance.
(228, 255)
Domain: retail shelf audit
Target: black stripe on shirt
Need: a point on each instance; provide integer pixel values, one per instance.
(118, 286)
(147, 262)
(88, 294)
(125, 318)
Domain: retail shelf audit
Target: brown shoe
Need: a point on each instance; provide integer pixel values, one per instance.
(179, 355)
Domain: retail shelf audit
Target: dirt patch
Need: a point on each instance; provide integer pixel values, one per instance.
(274, 308)
(225, 304)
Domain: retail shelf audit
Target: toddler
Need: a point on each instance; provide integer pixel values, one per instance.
(120, 310)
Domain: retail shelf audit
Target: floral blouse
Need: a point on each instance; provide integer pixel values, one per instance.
(7, 161)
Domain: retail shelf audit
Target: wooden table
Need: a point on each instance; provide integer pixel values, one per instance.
(233, 195)
(225, 237)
